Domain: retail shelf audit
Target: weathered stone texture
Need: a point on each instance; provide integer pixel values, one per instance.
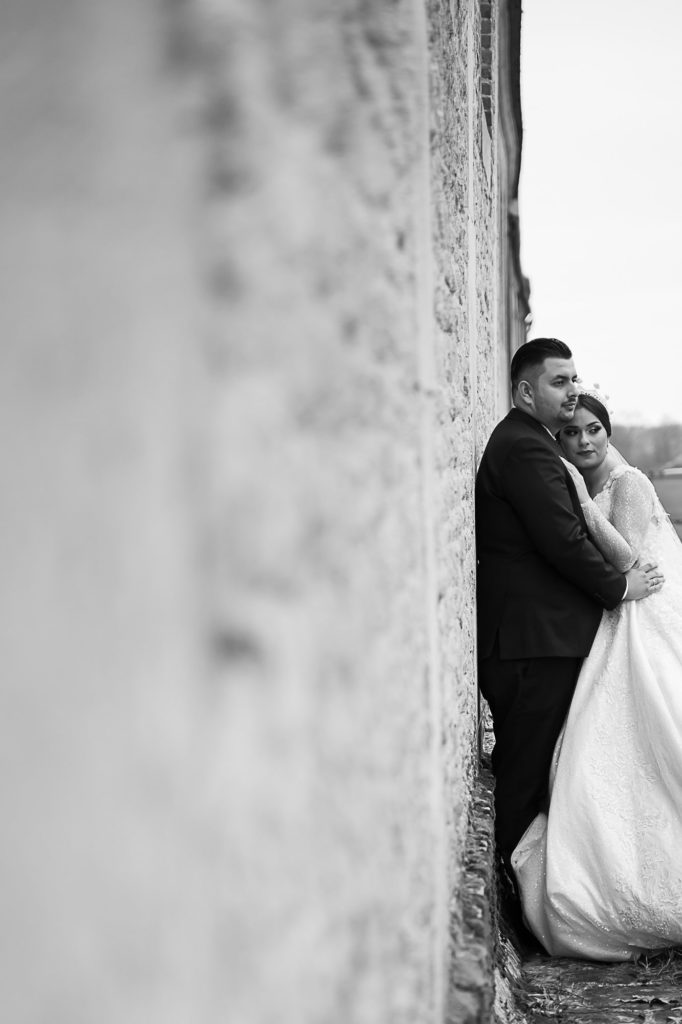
(465, 256)
(473, 989)
(321, 568)
(245, 370)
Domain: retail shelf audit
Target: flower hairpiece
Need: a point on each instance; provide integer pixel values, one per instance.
(595, 392)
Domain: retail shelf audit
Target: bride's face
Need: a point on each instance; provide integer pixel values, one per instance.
(584, 440)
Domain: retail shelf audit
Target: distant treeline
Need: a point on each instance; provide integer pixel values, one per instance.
(649, 447)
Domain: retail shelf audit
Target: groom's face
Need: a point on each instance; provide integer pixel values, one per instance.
(554, 392)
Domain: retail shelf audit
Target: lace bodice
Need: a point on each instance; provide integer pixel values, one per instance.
(625, 518)
(629, 501)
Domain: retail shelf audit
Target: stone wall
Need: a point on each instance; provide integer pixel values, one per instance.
(464, 193)
(250, 302)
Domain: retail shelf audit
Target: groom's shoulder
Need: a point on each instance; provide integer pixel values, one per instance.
(518, 438)
(518, 427)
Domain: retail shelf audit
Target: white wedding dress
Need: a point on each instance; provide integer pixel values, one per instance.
(600, 876)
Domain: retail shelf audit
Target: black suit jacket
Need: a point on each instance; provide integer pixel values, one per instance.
(542, 584)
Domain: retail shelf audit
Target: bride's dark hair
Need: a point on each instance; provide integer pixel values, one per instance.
(597, 409)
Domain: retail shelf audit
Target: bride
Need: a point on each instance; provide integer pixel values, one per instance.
(600, 875)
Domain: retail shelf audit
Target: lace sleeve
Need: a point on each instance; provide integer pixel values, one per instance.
(603, 534)
(613, 546)
(632, 507)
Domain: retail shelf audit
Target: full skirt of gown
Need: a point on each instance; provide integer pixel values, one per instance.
(600, 876)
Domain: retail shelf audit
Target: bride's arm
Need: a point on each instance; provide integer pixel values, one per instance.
(610, 541)
(632, 507)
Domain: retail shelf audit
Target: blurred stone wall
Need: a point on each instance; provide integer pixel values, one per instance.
(250, 299)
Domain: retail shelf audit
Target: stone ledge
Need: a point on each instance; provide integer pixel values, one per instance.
(472, 988)
(487, 980)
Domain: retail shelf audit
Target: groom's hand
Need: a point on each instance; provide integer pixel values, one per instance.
(643, 580)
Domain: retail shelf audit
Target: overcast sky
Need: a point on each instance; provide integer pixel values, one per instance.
(601, 193)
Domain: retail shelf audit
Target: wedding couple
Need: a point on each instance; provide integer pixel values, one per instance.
(580, 660)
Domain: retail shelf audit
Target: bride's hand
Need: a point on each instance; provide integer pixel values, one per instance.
(578, 480)
(643, 580)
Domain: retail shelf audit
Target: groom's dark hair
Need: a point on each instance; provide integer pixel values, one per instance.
(534, 353)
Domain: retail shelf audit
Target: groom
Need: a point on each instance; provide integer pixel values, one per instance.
(542, 584)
